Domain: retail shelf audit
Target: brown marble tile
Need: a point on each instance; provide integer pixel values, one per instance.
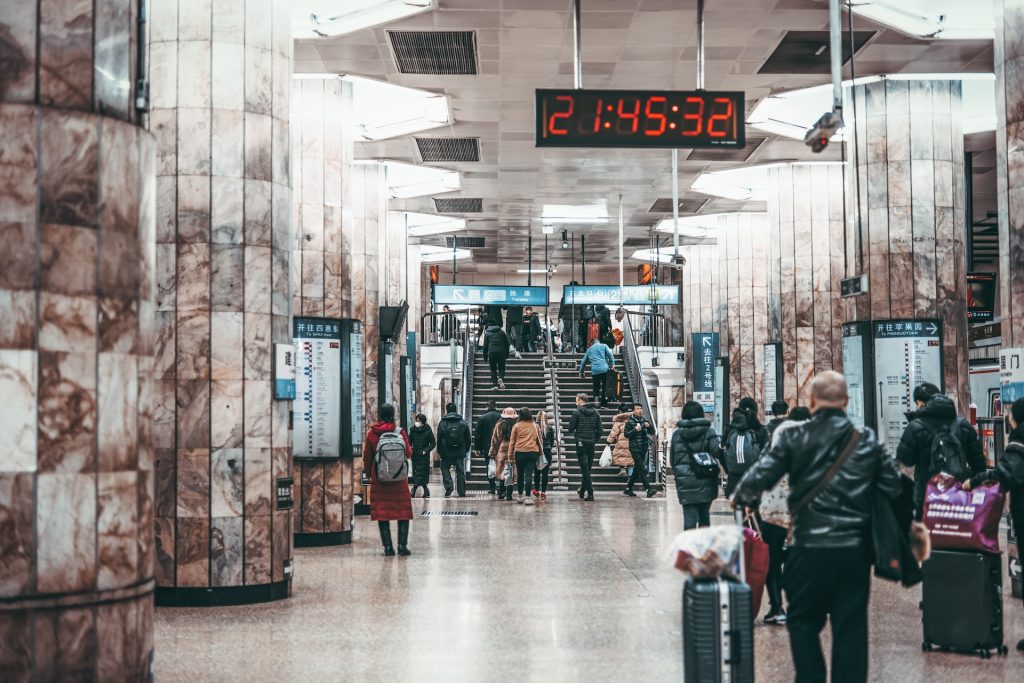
(226, 403)
(117, 629)
(334, 496)
(117, 426)
(65, 532)
(118, 324)
(258, 207)
(226, 346)
(281, 457)
(228, 277)
(66, 644)
(312, 513)
(19, 313)
(68, 182)
(282, 543)
(257, 346)
(259, 484)
(257, 147)
(17, 71)
(66, 53)
(66, 323)
(17, 542)
(227, 206)
(193, 282)
(67, 412)
(226, 551)
(119, 263)
(193, 338)
(193, 483)
(119, 190)
(257, 414)
(164, 422)
(227, 483)
(18, 172)
(193, 123)
(117, 529)
(16, 646)
(193, 413)
(164, 551)
(67, 258)
(192, 552)
(18, 258)
(279, 270)
(257, 279)
(144, 510)
(257, 550)
(193, 222)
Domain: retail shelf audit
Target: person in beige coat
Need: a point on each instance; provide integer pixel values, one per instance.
(499, 451)
(621, 456)
(525, 444)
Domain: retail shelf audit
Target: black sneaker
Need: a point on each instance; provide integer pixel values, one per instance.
(652, 492)
(776, 617)
(448, 494)
(580, 492)
(629, 492)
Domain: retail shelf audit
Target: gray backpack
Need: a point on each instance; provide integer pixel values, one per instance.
(390, 457)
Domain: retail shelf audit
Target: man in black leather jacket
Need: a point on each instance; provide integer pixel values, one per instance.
(827, 575)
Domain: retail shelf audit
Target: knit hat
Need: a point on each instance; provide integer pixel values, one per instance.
(510, 413)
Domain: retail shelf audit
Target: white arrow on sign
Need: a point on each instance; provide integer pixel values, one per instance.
(458, 294)
(932, 329)
(707, 341)
(1015, 567)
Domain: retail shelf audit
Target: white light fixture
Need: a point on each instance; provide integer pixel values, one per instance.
(587, 214)
(326, 18)
(932, 19)
(434, 254)
(655, 255)
(548, 229)
(745, 184)
(385, 110)
(791, 114)
(422, 224)
(412, 180)
(694, 227)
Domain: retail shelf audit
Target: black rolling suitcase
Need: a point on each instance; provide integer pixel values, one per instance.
(962, 602)
(718, 630)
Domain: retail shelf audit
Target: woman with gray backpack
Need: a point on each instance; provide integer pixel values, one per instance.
(696, 452)
(744, 439)
(386, 450)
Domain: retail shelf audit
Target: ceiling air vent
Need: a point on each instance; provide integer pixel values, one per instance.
(741, 154)
(664, 205)
(434, 52)
(449, 149)
(807, 52)
(459, 204)
(465, 242)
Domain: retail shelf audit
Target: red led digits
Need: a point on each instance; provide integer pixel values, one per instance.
(561, 115)
(632, 116)
(726, 117)
(655, 116)
(696, 117)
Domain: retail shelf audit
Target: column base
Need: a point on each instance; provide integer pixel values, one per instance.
(362, 509)
(307, 540)
(221, 596)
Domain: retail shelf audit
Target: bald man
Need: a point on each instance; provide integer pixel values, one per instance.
(827, 572)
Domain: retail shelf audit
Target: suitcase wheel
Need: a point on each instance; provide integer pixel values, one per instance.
(1004, 650)
(984, 654)
(926, 646)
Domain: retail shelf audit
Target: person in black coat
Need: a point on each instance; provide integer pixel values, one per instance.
(694, 434)
(421, 436)
(482, 436)
(496, 348)
(744, 421)
(935, 411)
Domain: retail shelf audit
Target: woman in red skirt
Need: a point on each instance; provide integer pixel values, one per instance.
(389, 500)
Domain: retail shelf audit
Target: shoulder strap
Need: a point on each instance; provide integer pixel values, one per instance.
(826, 479)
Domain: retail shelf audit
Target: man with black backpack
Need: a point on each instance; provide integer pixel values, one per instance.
(938, 440)
(745, 439)
(453, 442)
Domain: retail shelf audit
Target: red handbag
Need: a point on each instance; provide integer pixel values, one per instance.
(756, 562)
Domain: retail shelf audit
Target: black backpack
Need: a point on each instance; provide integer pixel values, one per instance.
(742, 451)
(947, 453)
(453, 436)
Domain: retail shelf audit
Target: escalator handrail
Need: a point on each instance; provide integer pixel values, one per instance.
(556, 416)
(637, 383)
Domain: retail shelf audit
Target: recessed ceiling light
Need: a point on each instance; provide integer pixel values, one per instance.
(430, 253)
(422, 224)
(572, 214)
(932, 19)
(411, 180)
(325, 18)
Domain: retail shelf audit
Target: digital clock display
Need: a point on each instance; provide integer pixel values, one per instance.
(640, 118)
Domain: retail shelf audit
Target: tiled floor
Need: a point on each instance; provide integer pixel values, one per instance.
(567, 591)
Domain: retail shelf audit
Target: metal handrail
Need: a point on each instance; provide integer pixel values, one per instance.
(432, 332)
(638, 385)
(555, 410)
(465, 403)
(657, 335)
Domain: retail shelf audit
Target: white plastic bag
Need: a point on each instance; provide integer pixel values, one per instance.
(490, 468)
(707, 553)
(507, 474)
(606, 457)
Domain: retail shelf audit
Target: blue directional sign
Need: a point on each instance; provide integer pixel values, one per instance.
(613, 295)
(490, 295)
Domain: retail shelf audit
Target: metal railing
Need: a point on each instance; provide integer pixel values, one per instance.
(549, 354)
(638, 388)
(648, 328)
(466, 390)
(441, 328)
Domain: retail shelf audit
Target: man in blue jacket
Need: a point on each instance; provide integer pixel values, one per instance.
(601, 361)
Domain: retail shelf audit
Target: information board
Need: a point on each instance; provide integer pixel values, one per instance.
(908, 352)
(1011, 377)
(704, 350)
(490, 295)
(613, 295)
(858, 371)
(772, 375)
(721, 394)
(284, 372)
(317, 407)
(355, 359)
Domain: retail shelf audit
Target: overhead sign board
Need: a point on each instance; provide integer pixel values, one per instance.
(640, 118)
(487, 295)
(704, 347)
(613, 295)
(908, 352)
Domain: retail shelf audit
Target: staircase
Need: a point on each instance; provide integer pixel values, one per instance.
(527, 384)
(570, 384)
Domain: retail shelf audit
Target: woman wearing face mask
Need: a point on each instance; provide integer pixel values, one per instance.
(421, 436)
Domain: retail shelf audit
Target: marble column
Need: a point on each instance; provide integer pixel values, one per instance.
(322, 147)
(911, 205)
(805, 262)
(77, 193)
(743, 301)
(221, 86)
(700, 296)
(1009, 66)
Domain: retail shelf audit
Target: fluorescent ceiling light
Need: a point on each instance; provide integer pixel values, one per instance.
(570, 214)
(548, 229)
(431, 254)
(532, 270)
(325, 18)
(695, 227)
(655, 255)
(791, 114)
(745, 184)
(421, 224)
(385, 110)
(412, 180)
(932, 19)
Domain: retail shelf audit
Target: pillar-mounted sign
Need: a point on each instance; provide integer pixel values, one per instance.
(285, 497)
(907, 353)
(858, 367)
(284, 372)
(704, 350)
(721, 406)
(772, 375)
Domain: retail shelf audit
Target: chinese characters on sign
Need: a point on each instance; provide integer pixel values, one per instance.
(907, 354)
(316, 411)
(488, 295)
(613, 295)
(702, 369)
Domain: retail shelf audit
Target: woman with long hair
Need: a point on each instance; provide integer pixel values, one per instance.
(540, 476)
(499, 451)
(525, 443)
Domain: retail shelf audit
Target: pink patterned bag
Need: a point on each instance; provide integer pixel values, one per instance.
(963, 520)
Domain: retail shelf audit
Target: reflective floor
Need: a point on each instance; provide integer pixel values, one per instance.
(566, 591)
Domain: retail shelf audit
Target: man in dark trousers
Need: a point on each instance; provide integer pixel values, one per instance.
(482, 436)
(496, 346)
(585, 426)
(531, 329)
(934, 418)
(638, 430)
(827, 577)
(453, 443)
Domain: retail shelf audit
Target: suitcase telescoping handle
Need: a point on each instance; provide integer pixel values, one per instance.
(742, 560)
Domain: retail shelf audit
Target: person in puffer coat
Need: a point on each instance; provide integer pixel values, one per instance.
(694, 434)
(421, 436)
(621, 457)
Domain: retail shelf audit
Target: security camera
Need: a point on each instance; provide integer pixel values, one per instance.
(678, 260)
(565, 245)
(824, 128)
